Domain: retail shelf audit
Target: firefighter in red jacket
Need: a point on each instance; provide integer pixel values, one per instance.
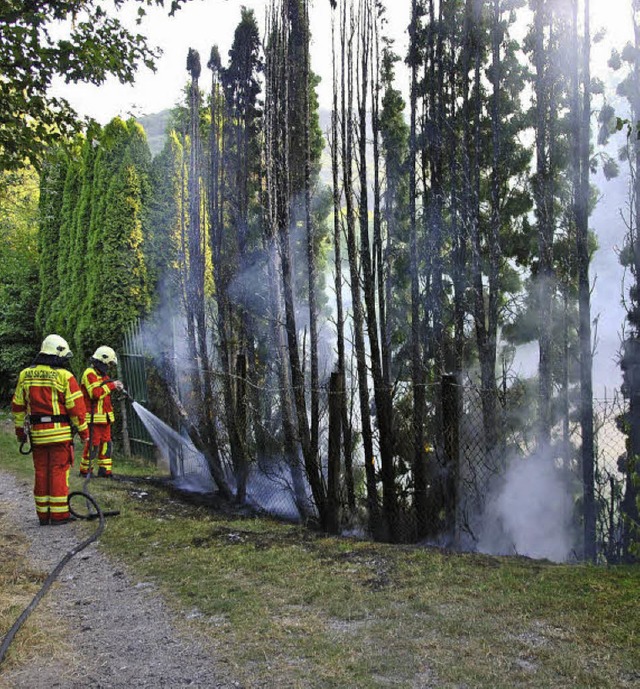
(97, 387)
(47, 406)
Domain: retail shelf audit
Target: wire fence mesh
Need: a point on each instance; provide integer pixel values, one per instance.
(486, 484)
(502, 496)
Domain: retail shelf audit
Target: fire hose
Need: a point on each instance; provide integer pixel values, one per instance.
(6, 642)
(90, 515)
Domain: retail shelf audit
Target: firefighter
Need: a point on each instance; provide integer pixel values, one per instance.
(47, 406)
(97, 387)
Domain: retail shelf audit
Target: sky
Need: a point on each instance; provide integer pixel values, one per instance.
(200, 24)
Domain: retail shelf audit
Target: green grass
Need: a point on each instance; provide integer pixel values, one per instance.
(278, 600)
(283, 606)
(10, 458)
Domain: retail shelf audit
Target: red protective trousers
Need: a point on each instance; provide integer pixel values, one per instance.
(100, 436)
(51, 489)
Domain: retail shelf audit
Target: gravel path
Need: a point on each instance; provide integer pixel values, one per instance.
(120, 634)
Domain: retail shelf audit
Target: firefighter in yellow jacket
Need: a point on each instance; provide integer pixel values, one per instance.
(47, 405)
(97, 387)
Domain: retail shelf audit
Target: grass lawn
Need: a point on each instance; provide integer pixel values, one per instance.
(286, 607)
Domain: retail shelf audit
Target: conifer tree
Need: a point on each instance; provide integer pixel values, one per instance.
(341, 365)
(629, 88)
(287, 154)
(52, 183)
(117, 288)
(165, 220)
(581, 117)
(77, 275)
(394, 132)
(66, 257)
(233, 203)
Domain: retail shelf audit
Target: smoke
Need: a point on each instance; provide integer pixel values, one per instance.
(607, 276)
(529, 512)
(250, 287)
(162, 335)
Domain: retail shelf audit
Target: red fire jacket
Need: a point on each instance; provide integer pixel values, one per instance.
(97, 391)
(52, 399)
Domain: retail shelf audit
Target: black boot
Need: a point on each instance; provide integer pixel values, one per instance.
(59, 522)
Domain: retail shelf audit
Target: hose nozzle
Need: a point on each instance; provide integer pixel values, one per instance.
(122, 389)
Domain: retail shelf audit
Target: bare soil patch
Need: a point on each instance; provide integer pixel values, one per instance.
(108, 630)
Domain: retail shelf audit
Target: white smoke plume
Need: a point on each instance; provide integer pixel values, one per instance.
(529, 512)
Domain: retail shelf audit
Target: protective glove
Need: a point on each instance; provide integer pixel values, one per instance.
(21, 435)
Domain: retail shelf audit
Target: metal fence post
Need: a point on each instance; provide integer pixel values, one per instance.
(126, 443)
(451, 437)
(336, 391)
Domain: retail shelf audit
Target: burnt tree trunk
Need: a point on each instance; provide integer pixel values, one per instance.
(382, 392)
(417, 370)
(584, 301)
(346, 39)
(339, 282)
(336, 393)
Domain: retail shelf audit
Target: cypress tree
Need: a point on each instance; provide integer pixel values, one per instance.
(56, 319)
(629, 88)
(53, 178)
(162, 243)
(19, 292)
(81, 222)
(117, 289)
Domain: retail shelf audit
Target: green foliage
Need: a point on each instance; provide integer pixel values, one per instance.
(119, 282)
(476, 164)
(56, 320)
(95, 46)
(622, 123)
(117, 289)
(240, 78)
(394, 134)
(608, 123)
(241, 146)
(165, 216)
(629, 60)
(18, 275)
(77, 274)
(93, 223)
(52, 183)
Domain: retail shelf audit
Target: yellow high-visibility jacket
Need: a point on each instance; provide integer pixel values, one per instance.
(97, 391)
(53, 401)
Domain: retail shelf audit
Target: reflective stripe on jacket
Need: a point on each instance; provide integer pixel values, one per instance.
(97, 391)
(46, 391)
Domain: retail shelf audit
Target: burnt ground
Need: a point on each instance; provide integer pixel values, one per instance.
(109, 630)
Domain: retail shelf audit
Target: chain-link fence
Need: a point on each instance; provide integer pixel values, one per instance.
(477, 481)
(514, 497)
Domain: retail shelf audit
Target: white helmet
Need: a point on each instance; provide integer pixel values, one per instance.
(56, 345)
(105, 355)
